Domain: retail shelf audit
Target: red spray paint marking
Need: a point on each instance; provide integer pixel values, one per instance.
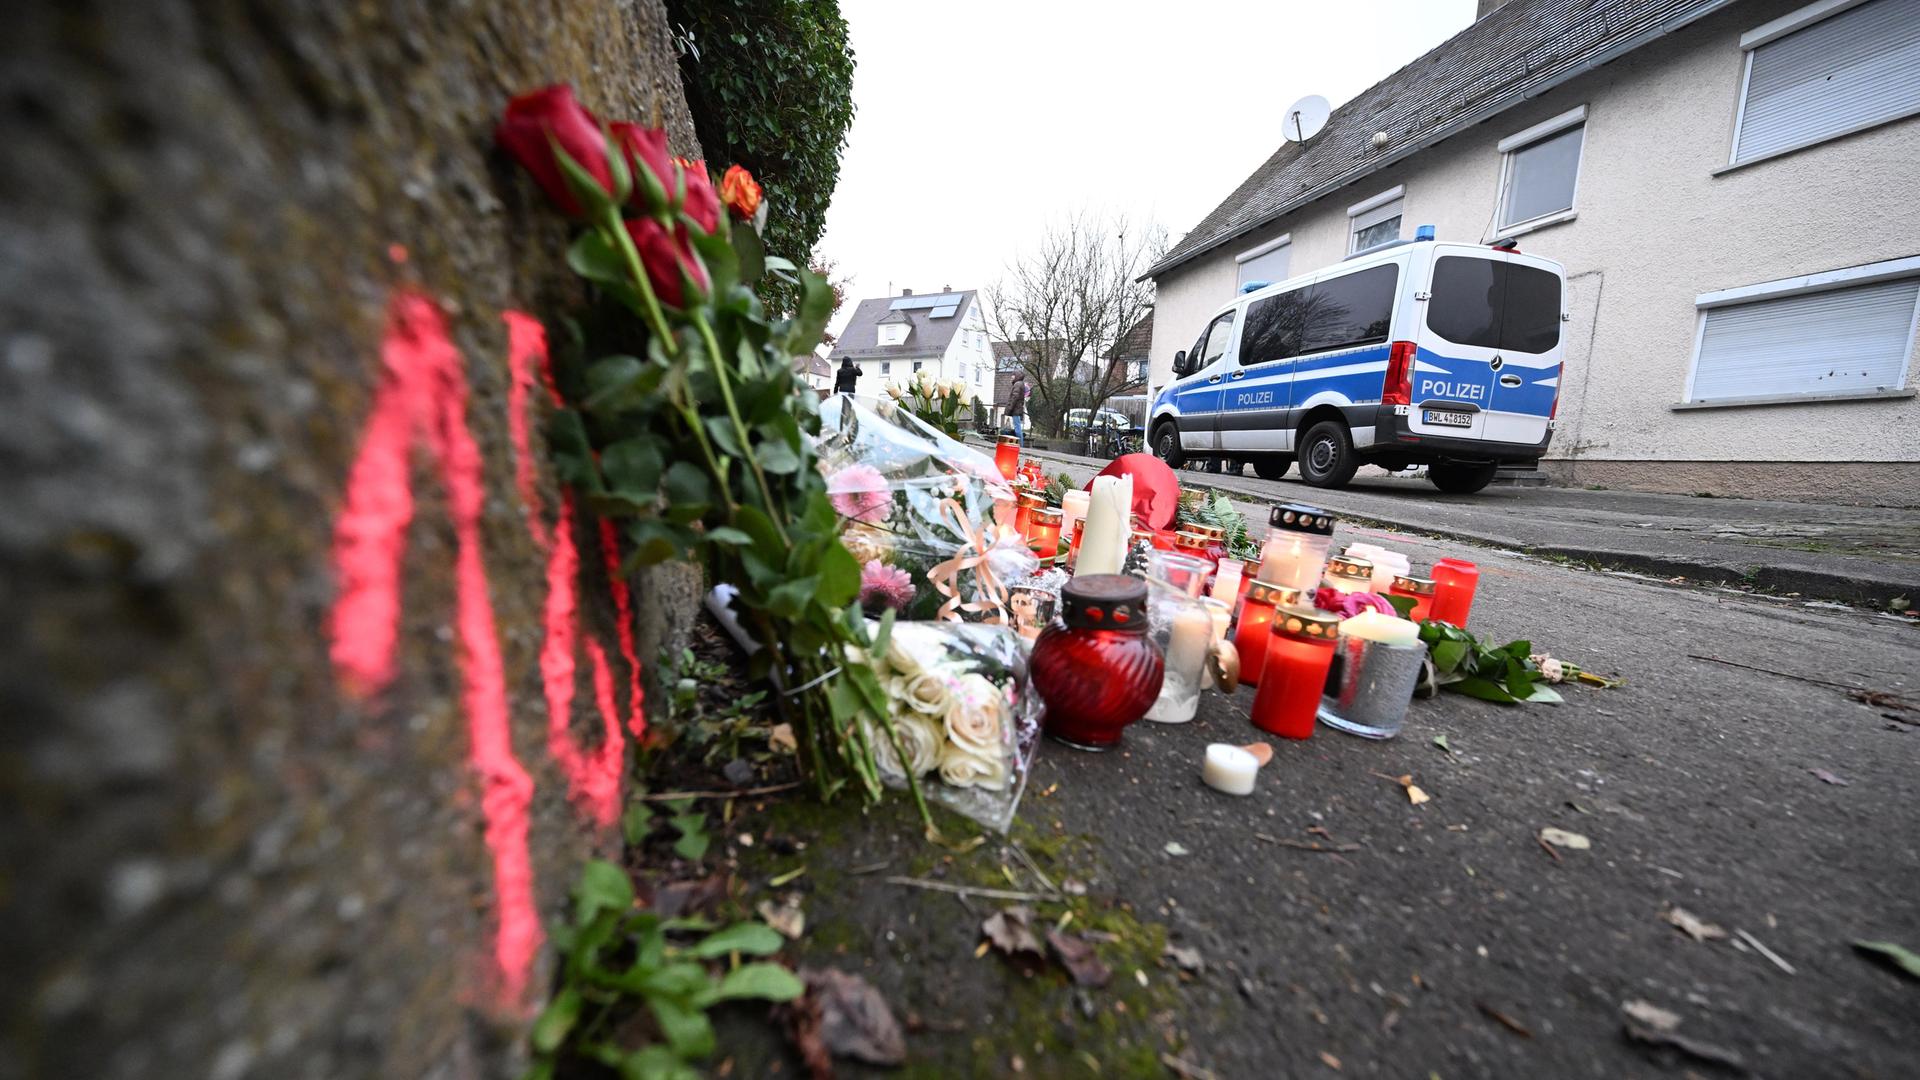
(593, 780)
(423, 391)
(623, 628)
(526, 361)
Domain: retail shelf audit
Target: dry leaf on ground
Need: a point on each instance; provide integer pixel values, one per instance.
(1011, 932)
(787, 917)
(1561, 838)
(1331, 1061)
(1077, 956)
(781, 739)
(1414, 794)
(1704, 1051)
(854, 1020)
(1829, 777)
(1653, 1016)
(1505, 1021)
(1189, 959)
(1693, 925)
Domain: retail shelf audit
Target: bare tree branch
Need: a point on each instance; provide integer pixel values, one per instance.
(1064, 307)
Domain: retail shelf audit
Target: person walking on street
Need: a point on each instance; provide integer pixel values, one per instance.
(843, 379)
(1017, 394)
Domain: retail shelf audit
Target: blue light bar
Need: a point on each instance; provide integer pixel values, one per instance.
(1253, 286)
(1424, 232)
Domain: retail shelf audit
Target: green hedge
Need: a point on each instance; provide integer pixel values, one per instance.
(770, 83)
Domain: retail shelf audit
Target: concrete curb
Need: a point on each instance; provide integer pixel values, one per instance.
(1861, 582)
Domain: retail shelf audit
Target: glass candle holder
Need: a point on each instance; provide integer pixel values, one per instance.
(1073, 511)
(1006, 456)
(1094, 666)
(1026, 503)
(1189, 635)
(1454, 581)
(1299, 651)
(1371, 686)
(1222, 615)
(1178, 571)
(1295, 552)
(1417, 589)
(1043, 533)
(1349, 574)
(1264, 598)
(1226, 582)
(1188, 542)
(1250, 573)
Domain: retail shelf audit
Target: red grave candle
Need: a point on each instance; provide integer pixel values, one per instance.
(1006, 456)
(1043, 532)
(1028, 502)
(1250, 637)
(1095, 666)
(1294, 674)
(1453, 583)
(1417, 589)
(1249, 573)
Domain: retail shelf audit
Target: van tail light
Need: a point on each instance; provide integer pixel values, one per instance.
(1553, 411)
(1399, 386)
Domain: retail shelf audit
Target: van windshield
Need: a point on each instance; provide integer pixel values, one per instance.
(1494, 304)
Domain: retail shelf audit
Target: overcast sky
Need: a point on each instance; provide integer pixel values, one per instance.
(977, 123)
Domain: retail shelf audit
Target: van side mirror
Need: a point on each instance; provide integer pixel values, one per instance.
(1180, 363)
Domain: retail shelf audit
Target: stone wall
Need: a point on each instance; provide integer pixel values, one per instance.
(216, 863)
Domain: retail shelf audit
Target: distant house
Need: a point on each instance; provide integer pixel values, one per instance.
(1729, 186)
(1128, 375)
(893, 338)
(814, 371)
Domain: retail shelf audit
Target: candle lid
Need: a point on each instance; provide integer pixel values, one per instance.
(1349, 566)
(1313, 625)
(1266, 592)
(1298, 518)
(1187, 538)
(1105, 602)
(1033, 500)
(1418, 586)
(1009, 440)
(1211, 532)
(1046, 515)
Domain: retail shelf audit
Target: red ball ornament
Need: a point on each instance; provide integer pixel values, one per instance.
(1156, 494)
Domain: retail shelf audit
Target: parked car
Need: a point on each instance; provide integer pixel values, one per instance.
(1418, 353)
(1113, 421)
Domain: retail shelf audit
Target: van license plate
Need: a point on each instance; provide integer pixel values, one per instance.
(1449, 419)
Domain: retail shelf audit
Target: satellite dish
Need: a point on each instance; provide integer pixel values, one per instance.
(1305, 118)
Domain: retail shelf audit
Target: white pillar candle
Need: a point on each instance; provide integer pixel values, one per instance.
(1073, 509)
(1386, 629)
(1220, 612)
(1229, 769)
(1386, 564)
(1103, 548)
(1187, 645)
(1226, 580)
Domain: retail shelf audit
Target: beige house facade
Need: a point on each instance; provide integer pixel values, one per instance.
(1742, 282)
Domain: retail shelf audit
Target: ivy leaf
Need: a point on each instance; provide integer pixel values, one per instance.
(633, 467)
(619, 382)
(573, 452)
(636, 823)
(603, 887)
(556, 1020)
(656, 1063)
(752, 938)
(686, 1028)
(655, 541)
(765, 982)
(693, 836)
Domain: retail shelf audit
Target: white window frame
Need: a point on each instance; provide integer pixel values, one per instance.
(1773, 31)
(1782, 288)
(1354, 212)
(1520, 140)
(1252, 253)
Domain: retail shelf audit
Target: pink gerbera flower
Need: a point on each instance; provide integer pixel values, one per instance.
(885, 586)
(859, 493)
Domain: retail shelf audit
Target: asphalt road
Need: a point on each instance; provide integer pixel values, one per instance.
(1693, 783)
(1825, 551)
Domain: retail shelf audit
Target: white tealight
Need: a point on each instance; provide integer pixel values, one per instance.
(1229, 769)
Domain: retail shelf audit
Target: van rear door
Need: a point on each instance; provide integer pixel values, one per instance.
(1490, 347)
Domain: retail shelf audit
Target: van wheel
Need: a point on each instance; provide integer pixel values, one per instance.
(1271, 468)
(1166, 445)
(1326, 455)
(1460, 478)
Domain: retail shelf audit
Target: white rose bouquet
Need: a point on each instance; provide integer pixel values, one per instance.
(964, 721)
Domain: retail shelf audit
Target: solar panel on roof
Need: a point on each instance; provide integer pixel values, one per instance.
(911, 303)
(945, 312)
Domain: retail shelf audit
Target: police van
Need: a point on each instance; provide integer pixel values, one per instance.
(1416, 353)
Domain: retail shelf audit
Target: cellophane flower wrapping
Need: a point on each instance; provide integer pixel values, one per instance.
(911, 500)
(964, 713)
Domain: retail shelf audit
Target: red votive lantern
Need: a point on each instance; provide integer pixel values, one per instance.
(1453, 583)
(1216, 540)
(1028, 502)
(1095, 667)
(1007, 456)
(1043, 532)
(1294, 673)
(1417, 589)
(1264, 598)
(1249, 573)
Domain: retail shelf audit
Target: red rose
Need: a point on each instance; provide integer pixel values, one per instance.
(646, 151)
(676, 273)
(701, 204)
(740, 192)
(536, 122)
